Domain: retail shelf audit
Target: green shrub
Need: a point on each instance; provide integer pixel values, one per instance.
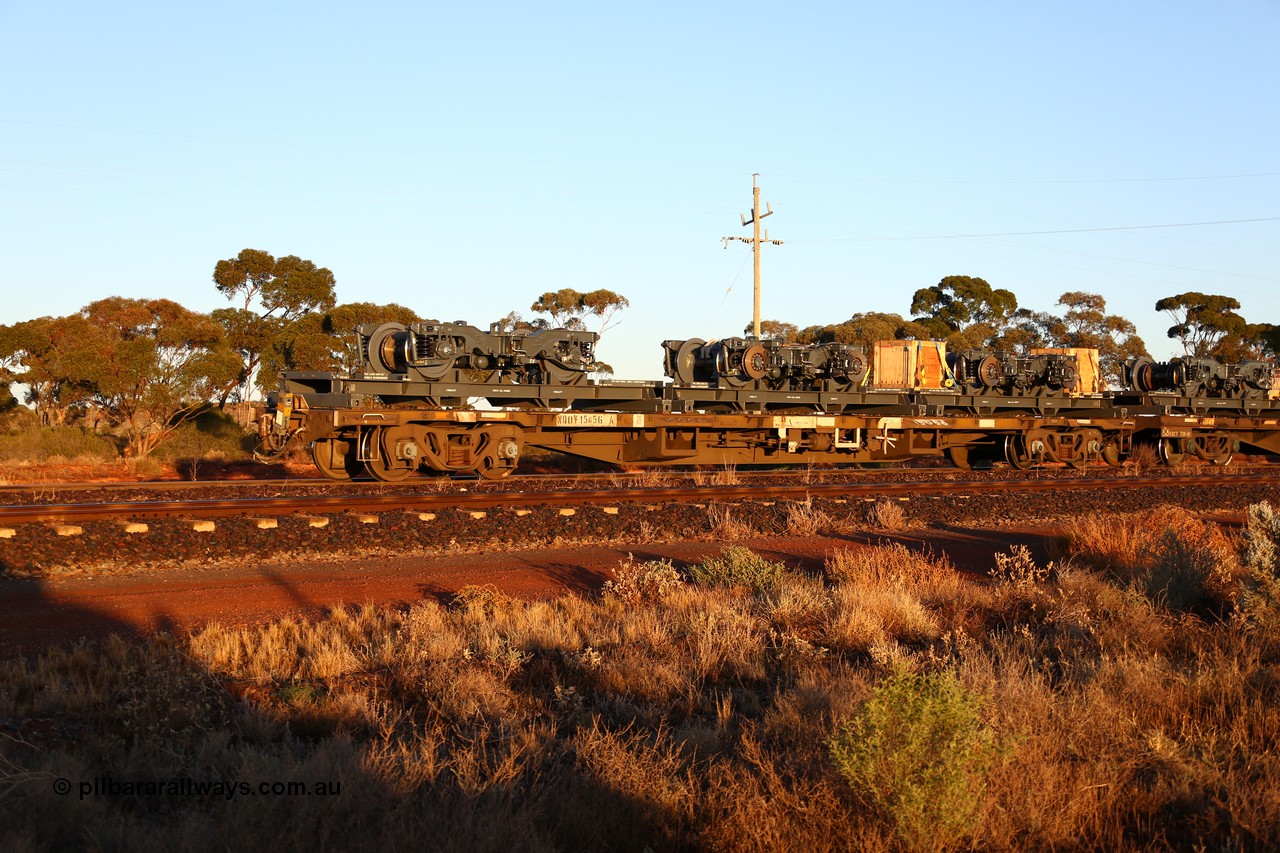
(738, 566)
(40, 444)
(210, 435)
(918, 753)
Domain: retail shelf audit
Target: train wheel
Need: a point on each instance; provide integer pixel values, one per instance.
(499, 453)
(384, 464)
(685, 359)
(555, 374)
(380, 469)
(1087, 444)
(755, 362)
(334, 458)
(1215, 448)
(1173, 451)
(989, 371)
(1112, 455)
(1015, 451)
(491, 469)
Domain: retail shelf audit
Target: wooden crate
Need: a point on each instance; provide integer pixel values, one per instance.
(931, 365)
(893, 364)
(909, 365)
(1088, 368)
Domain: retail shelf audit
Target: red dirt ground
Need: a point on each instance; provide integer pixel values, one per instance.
(37, 612)
(121, 472)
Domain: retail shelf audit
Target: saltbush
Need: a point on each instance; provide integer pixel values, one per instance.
(634, 582)
(1261, 537)
(918, 753)
(738, 566)
(1190, 572)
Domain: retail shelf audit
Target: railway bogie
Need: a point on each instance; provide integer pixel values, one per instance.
(393, 451)
(1011, 375)
(432, 351)
(765, 364)
(1204, 378)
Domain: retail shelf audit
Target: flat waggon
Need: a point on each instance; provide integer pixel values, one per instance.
(450, 398)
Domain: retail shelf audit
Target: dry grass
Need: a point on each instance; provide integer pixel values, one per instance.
(814, 472)
(725, 475)
(1143, 457)
(887, 514)
(804, 519)
(723, 525)
(645, 478)
(1166, 553)
(671, 715)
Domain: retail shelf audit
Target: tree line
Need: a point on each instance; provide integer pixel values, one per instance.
(968, 313)
(138, 369)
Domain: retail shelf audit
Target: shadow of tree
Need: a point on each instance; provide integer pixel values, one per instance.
(112, 732)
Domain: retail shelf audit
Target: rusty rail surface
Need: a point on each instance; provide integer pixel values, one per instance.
(512, 483)
(105, 511)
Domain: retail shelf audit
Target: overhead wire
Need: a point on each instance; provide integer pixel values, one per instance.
(1039, 233)
(1022, 181)
(711, 321)
(378, 195)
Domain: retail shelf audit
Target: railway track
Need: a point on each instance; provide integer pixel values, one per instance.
(48, 492)
(268, 507)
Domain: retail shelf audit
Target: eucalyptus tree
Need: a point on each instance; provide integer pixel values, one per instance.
(272, 294)
(152, 365)
(965, 311)
(569, 308)
(1209, 324)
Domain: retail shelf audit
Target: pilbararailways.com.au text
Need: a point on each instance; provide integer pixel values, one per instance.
(185, 786)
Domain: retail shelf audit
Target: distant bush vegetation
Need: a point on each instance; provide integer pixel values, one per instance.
(25, 442)
(211, 436)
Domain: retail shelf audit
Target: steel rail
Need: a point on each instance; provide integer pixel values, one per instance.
(161, 485)
(1043, 474)
(422, 482)
(103, 511)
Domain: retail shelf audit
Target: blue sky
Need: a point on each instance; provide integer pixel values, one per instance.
(463, 158)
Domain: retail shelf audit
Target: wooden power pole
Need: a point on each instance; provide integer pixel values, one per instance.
(755, 242)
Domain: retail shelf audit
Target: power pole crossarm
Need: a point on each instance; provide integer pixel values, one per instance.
(755, 241)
